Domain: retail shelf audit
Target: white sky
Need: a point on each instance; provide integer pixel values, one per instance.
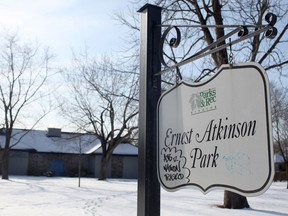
(66, 24)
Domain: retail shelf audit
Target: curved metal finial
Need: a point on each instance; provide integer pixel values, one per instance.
(244, 31)
(271, 19)
(174, 42)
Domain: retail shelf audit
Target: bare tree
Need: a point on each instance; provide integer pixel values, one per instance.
(269, 53)
(279, 110)
(81, 144)
(103, 101)
(24, 71)
(217, 13)
(81, 141)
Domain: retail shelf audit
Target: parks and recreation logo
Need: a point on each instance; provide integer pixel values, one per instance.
(203, 101)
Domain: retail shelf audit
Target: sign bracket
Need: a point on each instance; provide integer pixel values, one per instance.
(241, 30)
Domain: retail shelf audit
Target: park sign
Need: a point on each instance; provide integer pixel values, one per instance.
(217, 134)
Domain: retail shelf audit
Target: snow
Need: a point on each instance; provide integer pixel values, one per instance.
(123, 149)
(39, 141)
(68, 143)
(57, 196)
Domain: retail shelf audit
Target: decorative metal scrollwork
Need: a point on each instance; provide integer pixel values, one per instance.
(242, 31)
(271, 19)
(174, 42)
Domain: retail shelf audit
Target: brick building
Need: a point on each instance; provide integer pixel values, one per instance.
(41, 151)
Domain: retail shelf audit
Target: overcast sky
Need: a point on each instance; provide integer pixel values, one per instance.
(64, 25)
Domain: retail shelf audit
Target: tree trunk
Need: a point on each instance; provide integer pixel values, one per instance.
(79, 170)
(286, 173)
(103, 168)
(234, 201)
(5, 164)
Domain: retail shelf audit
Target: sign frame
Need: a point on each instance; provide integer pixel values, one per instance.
(207, 188)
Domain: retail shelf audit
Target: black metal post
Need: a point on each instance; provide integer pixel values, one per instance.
(148, 203)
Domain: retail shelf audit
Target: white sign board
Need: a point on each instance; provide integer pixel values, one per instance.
(217, 134)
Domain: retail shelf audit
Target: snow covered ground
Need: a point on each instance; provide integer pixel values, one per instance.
(44, 196)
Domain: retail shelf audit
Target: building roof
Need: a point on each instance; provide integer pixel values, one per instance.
(73, 143)
(122, 149)
(278, 158)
